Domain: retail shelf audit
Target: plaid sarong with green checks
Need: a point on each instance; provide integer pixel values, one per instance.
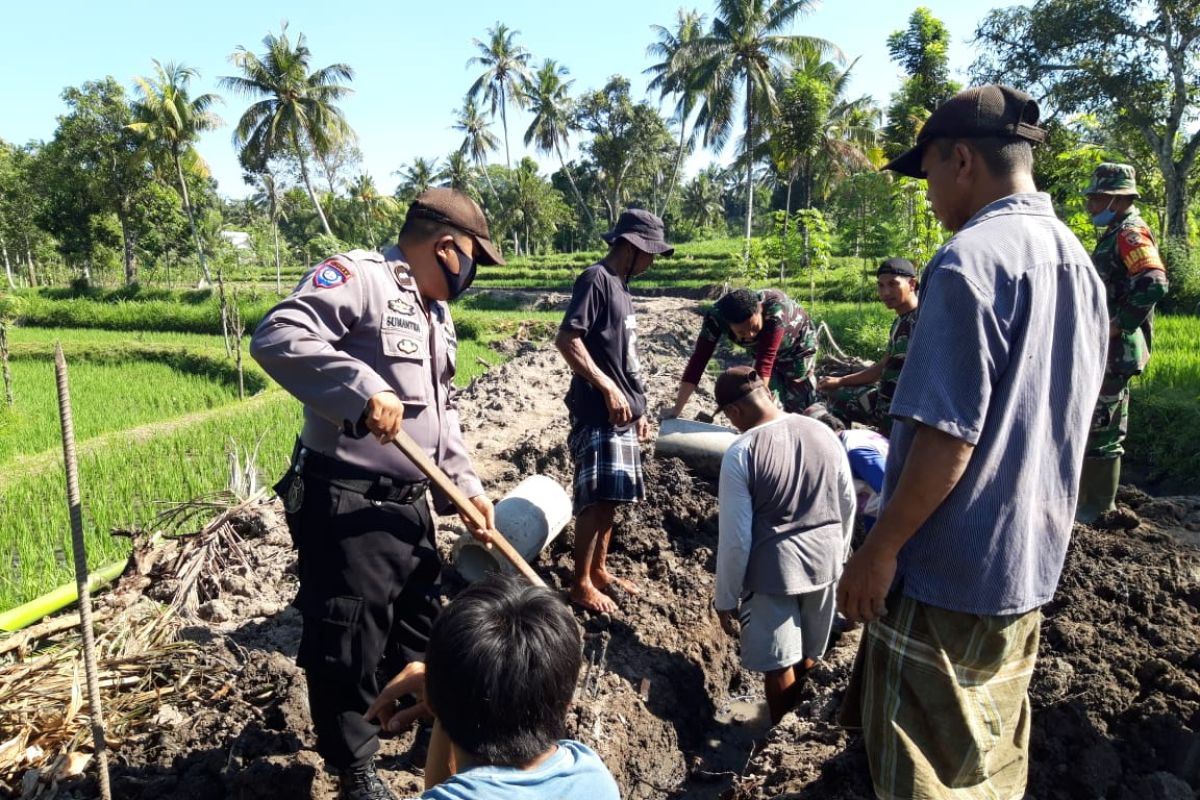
(942, 699)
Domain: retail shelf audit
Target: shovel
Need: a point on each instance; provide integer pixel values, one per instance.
(440, 479)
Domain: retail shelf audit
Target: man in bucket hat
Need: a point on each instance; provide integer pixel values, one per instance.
(607, 400)
(1133, 273)
(990, 421)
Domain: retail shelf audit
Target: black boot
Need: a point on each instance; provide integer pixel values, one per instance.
(363, 783)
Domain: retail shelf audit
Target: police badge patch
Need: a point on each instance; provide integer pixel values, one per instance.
(330, 274)
(401, 307)
(407, 346)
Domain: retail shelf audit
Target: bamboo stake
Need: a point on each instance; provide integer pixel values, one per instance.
(81, 569)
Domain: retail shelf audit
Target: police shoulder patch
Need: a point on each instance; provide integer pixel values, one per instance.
(330, 274)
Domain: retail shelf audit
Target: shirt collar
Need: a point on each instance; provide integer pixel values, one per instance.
(1035, 203)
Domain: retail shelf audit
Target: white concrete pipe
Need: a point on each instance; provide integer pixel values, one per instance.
(530, 516)
(698, 444)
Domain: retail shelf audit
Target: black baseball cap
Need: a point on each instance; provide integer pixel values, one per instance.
(897, 266)
(452, 207)
(978, 112)
(735, 383)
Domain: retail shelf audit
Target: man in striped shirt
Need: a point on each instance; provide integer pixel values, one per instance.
(991, 420)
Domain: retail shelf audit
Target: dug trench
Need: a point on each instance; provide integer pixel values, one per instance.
(662, 697)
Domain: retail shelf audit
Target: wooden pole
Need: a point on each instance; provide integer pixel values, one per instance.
(440, 479)
(81, 569)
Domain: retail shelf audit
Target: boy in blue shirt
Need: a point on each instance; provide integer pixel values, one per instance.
(500, 672)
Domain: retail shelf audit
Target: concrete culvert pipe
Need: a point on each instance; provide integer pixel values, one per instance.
(699, 445)
(530, 516)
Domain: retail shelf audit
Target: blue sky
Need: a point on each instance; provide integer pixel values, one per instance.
(409, 58)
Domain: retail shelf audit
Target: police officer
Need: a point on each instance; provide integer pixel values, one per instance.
(1135, 278)
(366, 343)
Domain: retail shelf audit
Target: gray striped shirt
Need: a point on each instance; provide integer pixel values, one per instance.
(1009, 357)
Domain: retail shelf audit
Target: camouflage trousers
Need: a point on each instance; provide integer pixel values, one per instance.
(860, 404)
(1110, 421)
(795, 385)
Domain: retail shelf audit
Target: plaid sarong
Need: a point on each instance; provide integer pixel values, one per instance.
(608, 464)
(942, 699)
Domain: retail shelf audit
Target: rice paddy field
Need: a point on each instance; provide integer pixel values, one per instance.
(157, 411)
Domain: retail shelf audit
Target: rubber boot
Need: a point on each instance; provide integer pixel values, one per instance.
(1097, 488)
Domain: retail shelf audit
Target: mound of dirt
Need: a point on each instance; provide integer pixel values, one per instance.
(662, 696)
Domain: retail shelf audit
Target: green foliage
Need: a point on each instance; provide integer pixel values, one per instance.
(1131, 64)
(922, 50)
(1183, 271)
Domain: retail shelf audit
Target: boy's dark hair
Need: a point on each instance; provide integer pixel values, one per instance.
(738, 305)
(503, 660)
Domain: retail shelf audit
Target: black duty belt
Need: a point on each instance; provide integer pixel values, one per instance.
(371, 485)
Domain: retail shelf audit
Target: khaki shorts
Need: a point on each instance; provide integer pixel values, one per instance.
(779, 630)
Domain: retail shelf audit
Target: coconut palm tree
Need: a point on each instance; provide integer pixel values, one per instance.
(371, 204)
(737, 60)
(295, 110)
(553, 118)
(478, 139)
(672, 76)
(416, 178)
(505, 74)
(169, 120)
(458, 173)
(268, 200)
(702, 197)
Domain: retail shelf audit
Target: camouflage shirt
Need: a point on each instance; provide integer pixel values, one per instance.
(1134, 276)
(893, 357)
(779, 313)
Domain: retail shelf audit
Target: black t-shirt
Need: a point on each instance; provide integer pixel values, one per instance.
(602, 311)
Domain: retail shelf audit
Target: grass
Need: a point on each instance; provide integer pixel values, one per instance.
(1164, 410)
(125, 482)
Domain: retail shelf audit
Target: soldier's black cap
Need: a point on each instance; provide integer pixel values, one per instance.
(452, 207)
(978, 112)
(897, 266)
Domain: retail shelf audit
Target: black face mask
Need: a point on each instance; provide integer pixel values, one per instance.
(459, 282)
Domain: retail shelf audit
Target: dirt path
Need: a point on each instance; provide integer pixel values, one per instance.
(662, 698)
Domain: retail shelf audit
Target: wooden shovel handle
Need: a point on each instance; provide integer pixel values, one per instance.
(423, 462)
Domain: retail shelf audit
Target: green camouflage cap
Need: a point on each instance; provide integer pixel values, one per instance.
(1112, 178)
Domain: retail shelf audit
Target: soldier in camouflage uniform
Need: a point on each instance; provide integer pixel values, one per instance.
(778, 331)
(866, 396)
(1132, 270)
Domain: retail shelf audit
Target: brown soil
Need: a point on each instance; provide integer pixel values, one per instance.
(663, 698)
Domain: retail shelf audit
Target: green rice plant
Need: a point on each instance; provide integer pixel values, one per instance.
(111, 395)
(126, 481)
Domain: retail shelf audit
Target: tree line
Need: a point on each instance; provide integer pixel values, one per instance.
(121, 187)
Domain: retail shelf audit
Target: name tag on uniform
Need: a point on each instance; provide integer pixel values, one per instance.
(394, 322)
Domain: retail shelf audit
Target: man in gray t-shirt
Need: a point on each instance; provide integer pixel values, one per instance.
(992, 413)
(787, 514)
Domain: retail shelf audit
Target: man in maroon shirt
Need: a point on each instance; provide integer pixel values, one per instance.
(778, 331)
